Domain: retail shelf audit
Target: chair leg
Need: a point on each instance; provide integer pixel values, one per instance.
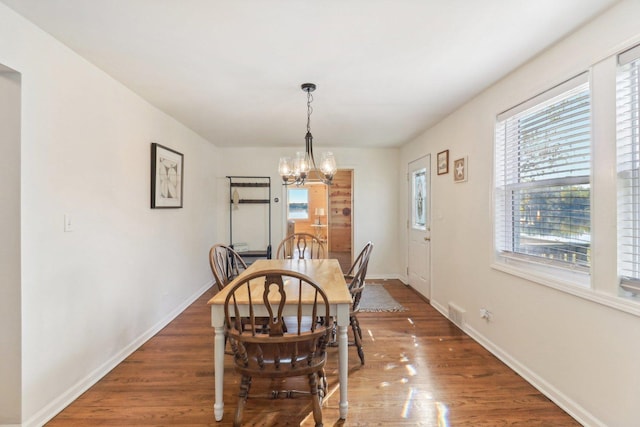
(245, 385)
(357, 335)
(315, 399)
(322, 387)
(358, 326)
(230, 352)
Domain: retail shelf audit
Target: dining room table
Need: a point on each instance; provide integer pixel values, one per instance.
(328, 274)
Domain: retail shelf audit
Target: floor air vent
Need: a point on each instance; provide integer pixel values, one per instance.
(456, 315)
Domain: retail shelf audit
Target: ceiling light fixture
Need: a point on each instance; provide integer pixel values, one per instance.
(298, 170)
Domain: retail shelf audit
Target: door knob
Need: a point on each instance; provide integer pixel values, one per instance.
(427, 239)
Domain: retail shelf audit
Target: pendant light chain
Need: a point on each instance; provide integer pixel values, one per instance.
(309, 110)
(309, 137)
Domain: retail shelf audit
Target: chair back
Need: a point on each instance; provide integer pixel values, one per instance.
(300, 246)
(226, 264)
(299, 348)
(356, 275)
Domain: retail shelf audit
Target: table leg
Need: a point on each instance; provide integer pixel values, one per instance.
(343, 351)
(218, 322)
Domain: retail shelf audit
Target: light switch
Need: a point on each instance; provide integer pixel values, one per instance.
(68, 226)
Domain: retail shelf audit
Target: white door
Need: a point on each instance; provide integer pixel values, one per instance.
(419, 268)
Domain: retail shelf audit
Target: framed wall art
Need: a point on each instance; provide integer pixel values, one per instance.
(460, 169)
(443, 162)
(166, 177)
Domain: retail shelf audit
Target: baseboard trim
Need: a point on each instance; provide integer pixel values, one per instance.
(383, 277)
(570, 406)
(58, 404)
(422, 297)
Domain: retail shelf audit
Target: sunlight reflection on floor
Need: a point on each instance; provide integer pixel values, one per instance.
(443, 411)
(371, 335)
(407, 403)
(410, 370)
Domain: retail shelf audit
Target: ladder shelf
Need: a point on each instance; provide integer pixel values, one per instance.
(261, 182)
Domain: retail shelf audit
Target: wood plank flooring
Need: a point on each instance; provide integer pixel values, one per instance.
(420, 370)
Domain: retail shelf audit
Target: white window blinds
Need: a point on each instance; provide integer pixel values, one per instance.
(542, 177)
(628, 144)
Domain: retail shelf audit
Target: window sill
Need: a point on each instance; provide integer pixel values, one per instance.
(578, 288)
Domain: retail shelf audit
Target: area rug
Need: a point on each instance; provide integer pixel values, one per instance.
(375, 298)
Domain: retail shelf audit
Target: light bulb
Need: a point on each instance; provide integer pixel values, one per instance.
(328, 165)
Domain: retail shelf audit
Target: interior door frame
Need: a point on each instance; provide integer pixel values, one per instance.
(428, 218)
(285, 197)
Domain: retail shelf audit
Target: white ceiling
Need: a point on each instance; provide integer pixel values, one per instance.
(231, 70)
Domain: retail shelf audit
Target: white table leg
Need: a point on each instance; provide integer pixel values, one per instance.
(343, 350)
(217, 319)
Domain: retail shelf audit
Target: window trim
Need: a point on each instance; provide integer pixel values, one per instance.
(627, 283)
(546, 95)
(630, 305)
(610, 294)
(556, 274)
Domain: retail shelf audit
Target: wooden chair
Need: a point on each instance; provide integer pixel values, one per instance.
(279, 354)
(355, 278)
(300, 246)
(226, 264)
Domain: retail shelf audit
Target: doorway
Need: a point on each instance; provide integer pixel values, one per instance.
(419, 221)
(326, 212)
(10, 252)
(307, 207)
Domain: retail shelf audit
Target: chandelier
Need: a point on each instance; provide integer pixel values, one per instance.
(297, 170)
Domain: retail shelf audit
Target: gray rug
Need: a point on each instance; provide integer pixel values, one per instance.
(375, 298)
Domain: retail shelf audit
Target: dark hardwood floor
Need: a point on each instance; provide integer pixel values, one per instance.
(420, 370)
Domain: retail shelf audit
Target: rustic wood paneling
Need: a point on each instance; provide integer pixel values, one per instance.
(340, 212)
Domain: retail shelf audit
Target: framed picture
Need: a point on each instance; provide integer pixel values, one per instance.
(443, 162)
(460, 169)
(166, 177)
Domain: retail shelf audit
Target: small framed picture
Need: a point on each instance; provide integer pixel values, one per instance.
(166, 177)
(460, 169)
(443, 162)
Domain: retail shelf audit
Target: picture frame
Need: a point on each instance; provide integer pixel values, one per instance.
(167, 170)
(443, 162)
(460, 169)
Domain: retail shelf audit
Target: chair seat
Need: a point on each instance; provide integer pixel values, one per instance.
(289, 363)
(287, 357)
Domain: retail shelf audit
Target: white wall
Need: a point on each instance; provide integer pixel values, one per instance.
(580, 347)
(10, 348)
(375, 197)
(91, 296)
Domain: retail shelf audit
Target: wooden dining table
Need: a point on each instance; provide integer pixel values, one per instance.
(329, 276)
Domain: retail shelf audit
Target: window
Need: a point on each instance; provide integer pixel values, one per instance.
(298, 203)
(628, 144)
(542, 178)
